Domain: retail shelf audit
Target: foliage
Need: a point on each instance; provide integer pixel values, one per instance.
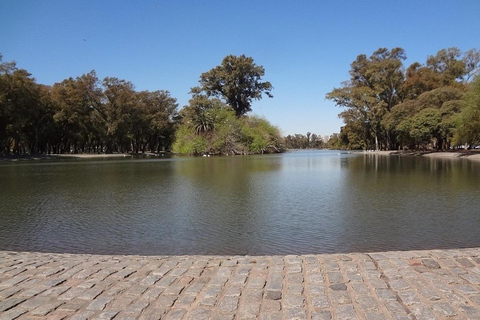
(468, 121)
(209, 126)
(386, 107)
(375, 86)
(307, 141)
(237, 81)
(81, 115)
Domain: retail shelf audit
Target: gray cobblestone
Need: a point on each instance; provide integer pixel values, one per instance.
(433, 284)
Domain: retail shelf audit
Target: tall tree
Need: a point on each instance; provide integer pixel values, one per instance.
(447, 63)
(468, 121)
(375, 86)
(76, 99)
(238, 81)
(19, 108)
(118, 109)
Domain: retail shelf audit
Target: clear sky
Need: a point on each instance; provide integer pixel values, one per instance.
(306, 47)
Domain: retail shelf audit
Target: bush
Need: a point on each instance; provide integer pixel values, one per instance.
(213, 128)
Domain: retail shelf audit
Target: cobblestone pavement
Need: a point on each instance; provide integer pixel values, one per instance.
(433, 284)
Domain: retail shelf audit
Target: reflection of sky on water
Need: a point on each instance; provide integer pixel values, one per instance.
(299, 202)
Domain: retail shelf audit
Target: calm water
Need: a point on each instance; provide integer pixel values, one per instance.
(299, 202)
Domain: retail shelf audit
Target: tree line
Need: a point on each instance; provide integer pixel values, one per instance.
(81, 115)
(89, 115)
(305, 141)
(431, 105)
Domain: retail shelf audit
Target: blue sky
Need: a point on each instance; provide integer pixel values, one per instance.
(306, 47)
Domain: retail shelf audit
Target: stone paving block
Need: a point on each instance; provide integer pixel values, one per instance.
(443, 309)
(73, 305)
(33, 291)
(107, 315)
(340, 297)
(229, 304)
(295, 313)
(199, 314)
(137, 307)
(99, 303)
(35, 302)
(271, 316)
(422, 312)
(175, 314)
(367, 303)
(399, 284)
(293, 301)
(233, 290)
(55, 291)
(316, 278)
(85, 315)
(273, 294)
(386, 294)
(409, 297)
(360, 288)
(430, 293)
(10, 303)
(375, 316)
(338, 287)
(335, 277)
(46, 308)
(150, 314)
(256, 283)
(91, 293)
(294, 289)
(13, 281)
(346, 312)
(4, 294)
(467, 289)
(471, 277)
(165, 281)
(320, 302)
(465, 262)
(470, 312)
(164, 302)
(13, 313)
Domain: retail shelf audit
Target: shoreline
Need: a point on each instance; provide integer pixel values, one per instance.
(426, 284)
(74, 156)
(473, 155)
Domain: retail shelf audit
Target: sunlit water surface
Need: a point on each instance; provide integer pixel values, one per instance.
(293, 203)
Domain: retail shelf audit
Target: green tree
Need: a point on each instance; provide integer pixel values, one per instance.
(375, 86)
(471, 59)
(237, 81)
(209, 126)
(468, 121)
(447, 63)
(76, 99)
(161, 113)
(20, 108)
(118, 111)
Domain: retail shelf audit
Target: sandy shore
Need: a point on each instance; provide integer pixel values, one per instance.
(460, 154)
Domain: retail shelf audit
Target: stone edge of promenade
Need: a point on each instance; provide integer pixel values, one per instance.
(427, 284)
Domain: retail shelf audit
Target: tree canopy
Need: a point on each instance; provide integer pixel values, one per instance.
(388, 107)
(237, 81)
(81, 114)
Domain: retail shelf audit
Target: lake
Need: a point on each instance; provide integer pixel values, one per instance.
(294, 203)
